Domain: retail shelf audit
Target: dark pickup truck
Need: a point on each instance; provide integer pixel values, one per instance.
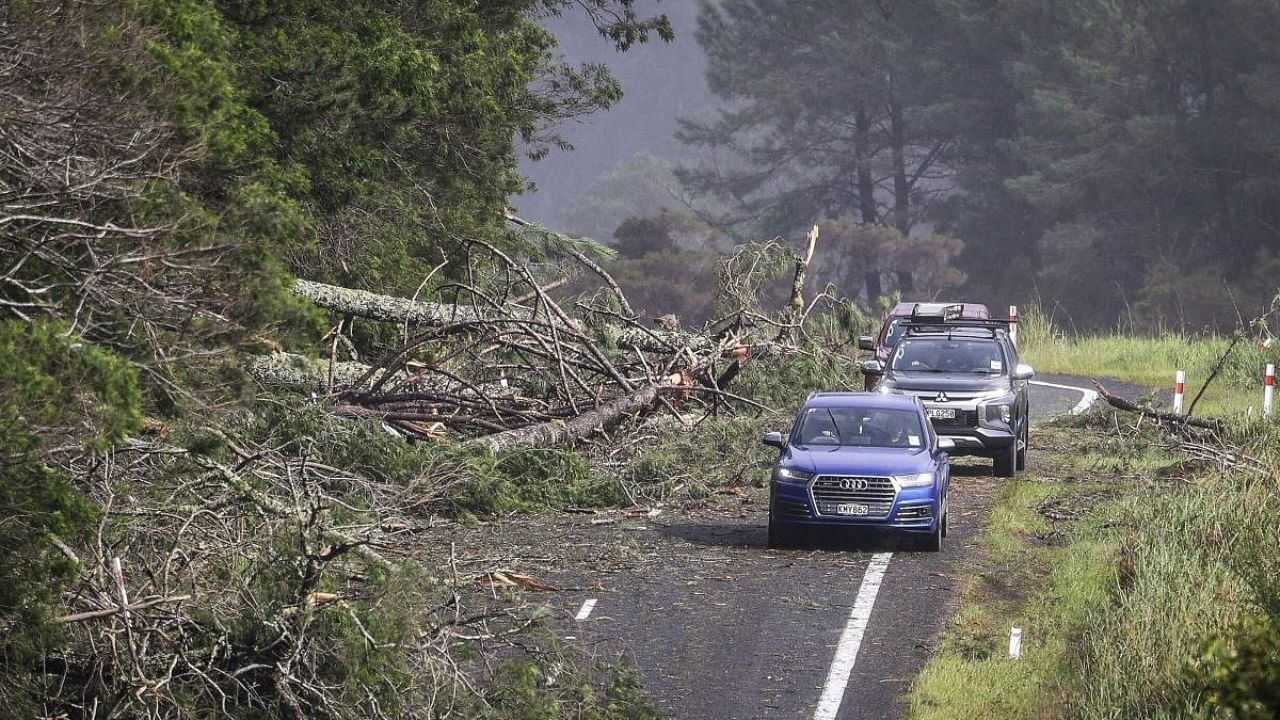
(967, 373)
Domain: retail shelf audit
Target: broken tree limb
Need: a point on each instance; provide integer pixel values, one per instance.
(108, 612)
(557, 432)
(795, 308)
(1120, 403)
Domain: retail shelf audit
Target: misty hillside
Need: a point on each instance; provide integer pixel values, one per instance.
(662, 82)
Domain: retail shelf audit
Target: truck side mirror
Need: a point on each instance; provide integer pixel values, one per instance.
(872, 368)
(866, 342)
(773, 439)
(1023, 372)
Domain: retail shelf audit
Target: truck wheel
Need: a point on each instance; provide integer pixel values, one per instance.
(1025, 440)
(944, 524)
(1006, 461)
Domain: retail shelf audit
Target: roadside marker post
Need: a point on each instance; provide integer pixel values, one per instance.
(1268, 390)
(1013, 324)
(1179, 387)
(1015, 643)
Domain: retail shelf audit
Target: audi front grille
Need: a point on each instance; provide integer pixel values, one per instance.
(853, 496)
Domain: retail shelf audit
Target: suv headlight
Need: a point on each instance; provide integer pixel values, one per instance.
(887, 388)
(791, 475)
(913, 481)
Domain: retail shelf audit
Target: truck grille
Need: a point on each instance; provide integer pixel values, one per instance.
(963, 418)
(875, 493)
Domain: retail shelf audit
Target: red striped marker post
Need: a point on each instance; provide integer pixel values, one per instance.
(1013, 324)
(1179, 387)
(1268, 390)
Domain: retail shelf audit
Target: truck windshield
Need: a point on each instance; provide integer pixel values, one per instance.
(859, 427)
(948, 355)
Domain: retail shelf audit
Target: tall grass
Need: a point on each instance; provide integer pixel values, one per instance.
(1151, 361)
(1123, 620)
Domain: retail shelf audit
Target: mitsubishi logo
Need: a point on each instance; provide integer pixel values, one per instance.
(942, 397)
(853, 484)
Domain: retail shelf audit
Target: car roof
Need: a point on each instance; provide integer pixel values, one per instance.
(875, 401)
(968, 310)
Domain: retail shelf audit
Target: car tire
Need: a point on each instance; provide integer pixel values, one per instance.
(933, 541)
(944, 524)
(781, 536)
(1006, 462)
(1025, 439)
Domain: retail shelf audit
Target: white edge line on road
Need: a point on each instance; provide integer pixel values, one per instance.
(1090, 396)
(851, 639)
(587, 607)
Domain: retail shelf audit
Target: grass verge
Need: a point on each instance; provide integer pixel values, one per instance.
(1140, 581)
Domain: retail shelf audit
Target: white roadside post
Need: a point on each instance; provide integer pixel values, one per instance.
(1013, 324)
(1179, 386)
(1268, 390)
(1015, 642)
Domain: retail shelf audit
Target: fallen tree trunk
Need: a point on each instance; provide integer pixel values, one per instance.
(299, 373)
(557, 432)
(387, 308)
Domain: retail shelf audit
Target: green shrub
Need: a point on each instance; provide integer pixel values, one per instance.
(1239, 672)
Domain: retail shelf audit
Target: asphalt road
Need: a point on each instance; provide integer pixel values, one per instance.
(721, 627)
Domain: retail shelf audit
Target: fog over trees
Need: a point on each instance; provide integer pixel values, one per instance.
(1114, 162)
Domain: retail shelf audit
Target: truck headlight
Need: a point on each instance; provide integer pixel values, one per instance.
(913, 481)
(791, 475)
(1000, 411)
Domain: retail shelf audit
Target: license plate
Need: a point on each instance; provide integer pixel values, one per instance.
(943, 413)
(851, 509)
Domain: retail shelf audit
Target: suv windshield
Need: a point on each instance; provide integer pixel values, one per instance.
(948, 355)
(859, 427)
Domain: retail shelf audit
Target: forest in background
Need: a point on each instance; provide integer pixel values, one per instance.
(1115, 163)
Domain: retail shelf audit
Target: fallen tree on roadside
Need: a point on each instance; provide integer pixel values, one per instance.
(506, 364)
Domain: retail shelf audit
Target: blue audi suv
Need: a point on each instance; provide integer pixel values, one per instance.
(861, 460)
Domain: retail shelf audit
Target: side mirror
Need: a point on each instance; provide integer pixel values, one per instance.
(946, 444)
(866, 342)
(872, 367)
(773, 439)
(1023, 372)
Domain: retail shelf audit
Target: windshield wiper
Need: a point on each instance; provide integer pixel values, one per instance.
(834, 426)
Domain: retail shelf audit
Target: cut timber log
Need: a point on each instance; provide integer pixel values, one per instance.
(560, 433)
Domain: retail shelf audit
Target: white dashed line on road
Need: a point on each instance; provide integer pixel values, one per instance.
(851, 639)
(587, 607)
(1086, 402)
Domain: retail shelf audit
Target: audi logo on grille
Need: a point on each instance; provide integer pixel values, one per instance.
(853, 484)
